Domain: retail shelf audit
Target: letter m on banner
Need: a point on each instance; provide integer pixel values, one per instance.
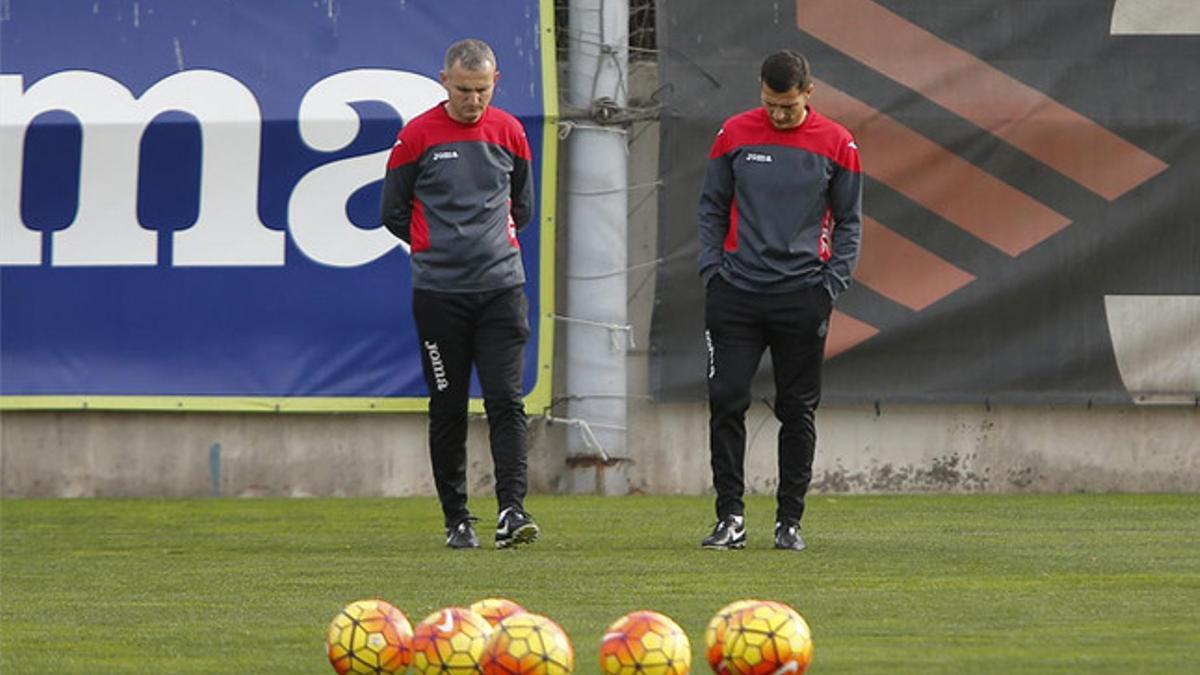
(189, 216)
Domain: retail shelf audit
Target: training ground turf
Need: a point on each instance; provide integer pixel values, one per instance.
(915, 584)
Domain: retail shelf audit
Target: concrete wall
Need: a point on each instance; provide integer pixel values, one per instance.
(900, 449)
(944, 449)
(116, 454)
(893, 449)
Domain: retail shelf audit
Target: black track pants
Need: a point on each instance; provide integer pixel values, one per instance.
(739, 326)
(488, 329)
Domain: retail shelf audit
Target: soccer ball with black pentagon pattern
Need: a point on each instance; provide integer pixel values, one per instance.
(767, 638)
(449, 642)
(495, 610)
(528, 644)
(714, 635)
(645, 643)
(369, 636)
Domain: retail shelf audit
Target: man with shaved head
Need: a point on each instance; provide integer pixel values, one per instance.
(458, 191)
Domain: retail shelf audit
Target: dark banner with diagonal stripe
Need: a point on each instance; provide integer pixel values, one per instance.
(1032, 203)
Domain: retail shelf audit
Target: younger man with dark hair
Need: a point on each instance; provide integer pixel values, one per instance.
(780, 223)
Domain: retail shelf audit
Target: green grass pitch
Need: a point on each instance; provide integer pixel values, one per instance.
(913, 584)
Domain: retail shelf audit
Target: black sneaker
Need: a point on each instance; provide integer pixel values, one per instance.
(729, 532)
(787, 536)
(515, 527)
(462, 535)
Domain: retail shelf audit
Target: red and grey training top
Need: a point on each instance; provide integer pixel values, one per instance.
(458, 193)
(781, 209)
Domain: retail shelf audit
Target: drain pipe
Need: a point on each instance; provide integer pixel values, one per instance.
(597, 202)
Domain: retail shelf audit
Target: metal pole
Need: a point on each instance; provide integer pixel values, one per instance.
(597, 205)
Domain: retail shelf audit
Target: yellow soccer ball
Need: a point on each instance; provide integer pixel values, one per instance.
(645, 643)
(714, 634)
(450, 641)
(495, 610)
(369, 636)
(528, 644)
(767, 638)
